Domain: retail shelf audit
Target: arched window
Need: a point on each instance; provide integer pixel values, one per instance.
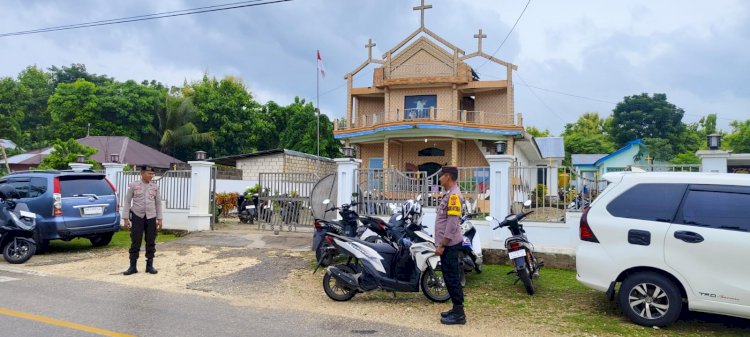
(431, 152)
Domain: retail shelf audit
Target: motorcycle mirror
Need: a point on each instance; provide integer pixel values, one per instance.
(326, 202)
(527, 203)
(399, 217)
(489, 218)
(419, 197)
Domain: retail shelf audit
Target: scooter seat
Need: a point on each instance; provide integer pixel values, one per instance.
(382, 248)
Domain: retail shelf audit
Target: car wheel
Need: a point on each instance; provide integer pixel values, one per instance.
(650, 299)
(101, 240)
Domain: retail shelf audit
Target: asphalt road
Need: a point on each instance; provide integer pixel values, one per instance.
(38, 305)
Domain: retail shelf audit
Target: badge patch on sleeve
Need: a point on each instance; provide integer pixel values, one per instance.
(454, 205)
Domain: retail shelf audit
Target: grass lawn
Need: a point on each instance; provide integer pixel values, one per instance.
(120, 240)
(560, 301)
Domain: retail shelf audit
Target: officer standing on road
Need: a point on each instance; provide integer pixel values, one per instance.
(145, 214)
(448, 240)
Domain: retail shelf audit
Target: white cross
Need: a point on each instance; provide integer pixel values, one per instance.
(369, 46)
(480, 36)
(422, 8)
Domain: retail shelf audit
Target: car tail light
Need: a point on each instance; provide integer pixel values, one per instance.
(56, 198)
(329, 239)
(585, 230)
(515, 246)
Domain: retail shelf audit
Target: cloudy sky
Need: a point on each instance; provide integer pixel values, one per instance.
(573, 56)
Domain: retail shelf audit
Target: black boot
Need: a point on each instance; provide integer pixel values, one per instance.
(150, 266)
(456, 317)
(132, 270)
(445, 314)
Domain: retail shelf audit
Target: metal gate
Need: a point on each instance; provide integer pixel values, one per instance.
(376, 188)
(285, 200)
(173, 185)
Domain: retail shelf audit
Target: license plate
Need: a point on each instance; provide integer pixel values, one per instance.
(517, 254)
(250, 207)
(93, 211)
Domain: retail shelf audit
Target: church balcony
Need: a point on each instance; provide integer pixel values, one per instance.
(428, 73)
(427, 118)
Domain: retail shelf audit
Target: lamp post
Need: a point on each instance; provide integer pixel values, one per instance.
(348, 151)
(80, 158)
(200, 155)
(501, 147)
(714, 141)
(114, 158)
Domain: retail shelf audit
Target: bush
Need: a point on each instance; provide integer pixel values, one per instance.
(226, 201)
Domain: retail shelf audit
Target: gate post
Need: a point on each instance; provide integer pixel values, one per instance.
(111, 170)
(500, 185)
(346, 179)
(199, 218)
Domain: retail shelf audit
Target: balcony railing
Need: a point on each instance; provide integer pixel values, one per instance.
(427, 115)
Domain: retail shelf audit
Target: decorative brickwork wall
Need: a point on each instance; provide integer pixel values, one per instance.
(445, 99)
(284, 163)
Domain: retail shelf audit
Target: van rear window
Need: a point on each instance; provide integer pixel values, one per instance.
(79, 186)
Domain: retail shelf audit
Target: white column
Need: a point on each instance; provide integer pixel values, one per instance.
(78, 167)
(346, 179)
(111, 170)
(500, 185)
(713, 160)
(199, 218)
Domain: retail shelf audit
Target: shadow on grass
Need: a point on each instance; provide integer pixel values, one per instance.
(120, 240)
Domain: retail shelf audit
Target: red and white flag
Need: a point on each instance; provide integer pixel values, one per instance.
(320, 65)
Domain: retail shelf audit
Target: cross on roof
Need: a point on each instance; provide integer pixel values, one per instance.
(369, 46)
(422, 8)
(480, 36)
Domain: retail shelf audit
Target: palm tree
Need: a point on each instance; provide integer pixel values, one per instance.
(176, 128)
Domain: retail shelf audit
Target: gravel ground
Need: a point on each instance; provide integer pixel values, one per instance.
(249, 268)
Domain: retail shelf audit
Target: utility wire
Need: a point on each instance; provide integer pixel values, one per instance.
(162, 15)
(508, 35)
(539, 98)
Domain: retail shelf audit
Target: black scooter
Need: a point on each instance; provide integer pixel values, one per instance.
(347, 226)
(249, 209)
(520, 250)
(17, 226)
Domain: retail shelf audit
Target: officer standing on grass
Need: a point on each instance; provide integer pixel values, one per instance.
(448, 240)
(142, 213)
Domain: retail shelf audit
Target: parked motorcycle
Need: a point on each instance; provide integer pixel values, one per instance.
(325, 252)
(578, 202)
(520, 250)
(471, 252)
(249, 209)
(379, 266)
(17, 226)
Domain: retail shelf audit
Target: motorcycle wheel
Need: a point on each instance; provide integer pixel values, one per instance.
(433, 286)
(244, 217)
(335, 290)
(328, 259)
(20, 253)
(525, 277)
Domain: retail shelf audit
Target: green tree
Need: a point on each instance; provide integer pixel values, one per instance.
(35, 125)
(534, 132)
(659, 149)
(11, 109)
(300, 132)
(73, 107)
(176, 130)
(227, 108)
(739, 139)
(74, 73)
(643, 116)
(66, 152)
(587, 136)
(123, 105)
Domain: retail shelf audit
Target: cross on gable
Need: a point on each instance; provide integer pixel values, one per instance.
(480, 36)
(369, 46)
(422, 8)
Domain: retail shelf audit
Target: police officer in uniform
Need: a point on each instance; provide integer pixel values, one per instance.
(142, 214)
(448, 241)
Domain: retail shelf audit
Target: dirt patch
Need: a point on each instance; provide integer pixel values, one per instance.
(177, 268)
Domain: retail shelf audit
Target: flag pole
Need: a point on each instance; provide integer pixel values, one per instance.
(317, 97)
